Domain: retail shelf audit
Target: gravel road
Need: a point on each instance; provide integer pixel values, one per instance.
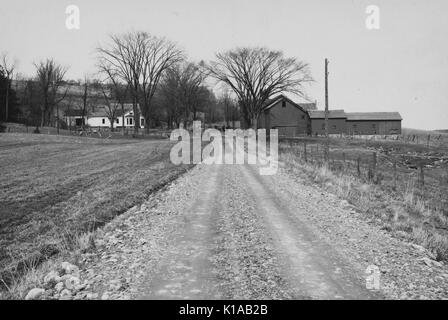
(225, 232)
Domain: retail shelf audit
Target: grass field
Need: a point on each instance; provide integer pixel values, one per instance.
(394, 194)
(54, 188)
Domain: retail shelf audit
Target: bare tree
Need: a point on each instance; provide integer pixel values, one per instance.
(125, 56)
(89, 99)
(112, 107)
(193, 90)
(50, 76)
(183, 92)
(229, 106)
(171, 100)
(8, 70)
(160, 55)
(119, 91)
(256, 74)
(140, 60)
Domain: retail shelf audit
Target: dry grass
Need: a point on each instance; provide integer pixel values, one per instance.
(407, 209)
(54, 189)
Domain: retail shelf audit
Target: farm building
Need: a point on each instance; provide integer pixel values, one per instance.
(290, 118)
(99, 118)
(74, 118)
(373, 123)
(336, 121)
(295, 119)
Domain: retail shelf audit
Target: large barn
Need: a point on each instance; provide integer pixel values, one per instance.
(290, 118)
(296, 119)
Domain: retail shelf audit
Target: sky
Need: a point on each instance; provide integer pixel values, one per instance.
(402, 66)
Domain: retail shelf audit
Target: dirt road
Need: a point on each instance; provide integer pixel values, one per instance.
(226, 232)
(240, 239)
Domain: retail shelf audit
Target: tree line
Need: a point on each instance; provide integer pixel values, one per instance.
(153, 75)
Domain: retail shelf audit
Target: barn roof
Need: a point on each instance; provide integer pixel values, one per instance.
(360, 116)
(304, 106)
(308, 106)
(333, 114)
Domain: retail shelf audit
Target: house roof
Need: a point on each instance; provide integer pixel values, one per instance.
(303, 106)
(100, 111)
(360, 116)
(333, 114)
(73, 113)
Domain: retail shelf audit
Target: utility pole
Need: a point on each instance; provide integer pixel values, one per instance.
(327, 137)
(7, 99)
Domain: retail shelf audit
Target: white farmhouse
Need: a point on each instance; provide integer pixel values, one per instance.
(99, 119)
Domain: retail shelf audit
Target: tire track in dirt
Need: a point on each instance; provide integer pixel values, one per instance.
(185, 271)
(310, 265)
(244, 257)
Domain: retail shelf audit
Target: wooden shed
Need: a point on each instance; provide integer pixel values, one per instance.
(371, 123)
(336, 121)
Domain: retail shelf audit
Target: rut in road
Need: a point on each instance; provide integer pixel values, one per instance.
(310, 266)
(184, 274)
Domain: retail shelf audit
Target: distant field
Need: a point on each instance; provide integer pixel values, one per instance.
(55, 187)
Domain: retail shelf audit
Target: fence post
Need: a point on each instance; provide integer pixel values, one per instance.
(374, 165)
(370, 174)
(343, 161)
(304, 151)
(421, 175)
(358, 166)
(395, 173)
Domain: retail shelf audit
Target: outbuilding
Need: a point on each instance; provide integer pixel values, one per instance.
(336, 122)
(372, 123)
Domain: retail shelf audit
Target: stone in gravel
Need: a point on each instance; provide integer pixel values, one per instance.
(437, 263)
(59, 286)
(72, 282)
(80, 287)
(418, 247)
(52, 278)
(431, 255)
(34, 294)
(65, 295)
(105, 296)
(345, 204)
(91, 295)
(69, 268)
(427, 261)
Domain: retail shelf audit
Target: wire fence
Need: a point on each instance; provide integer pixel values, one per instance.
(391, 172)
